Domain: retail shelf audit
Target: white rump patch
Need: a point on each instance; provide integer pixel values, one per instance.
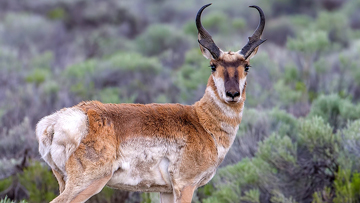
(60, 134)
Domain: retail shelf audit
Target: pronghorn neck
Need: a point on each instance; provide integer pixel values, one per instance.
(218, 118)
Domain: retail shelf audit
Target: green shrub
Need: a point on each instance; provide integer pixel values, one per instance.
(257, 126)
(290, 89)
(150, 197)
(216, 21)
(279, 197)
(43, 61)
(238, 24)
(5, 183)
(192, 75)
(278, 30)
(38, 76)
(338, 30)
(316, 135)
(244, 173)
(334, 110)
(6, 200)
(225, 194)
(301, 21)
(56, 14)
(309, 42)
(25, 29)
(132, 70)
(251, 196)
(39, 182)
(205, 192)
(131, 62)
(109, 95)
(291, 73)
(159, 38)
(16, 139)
(113, 95)
(287, 94)
(189, 28)
(278, 151)
(283, 123)
(145, 197)
(50, 87)
(350, 153)
(283, 165)
(322, 196)
(105, 196)
(347, 187)
(79, 70)
(351, 137)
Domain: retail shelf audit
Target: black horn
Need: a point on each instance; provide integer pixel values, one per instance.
(204, 38)
(254, 40)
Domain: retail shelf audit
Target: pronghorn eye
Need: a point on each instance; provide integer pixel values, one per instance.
(213, 67)
(247, 68)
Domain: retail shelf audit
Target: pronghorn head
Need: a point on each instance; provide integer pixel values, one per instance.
(229, 69)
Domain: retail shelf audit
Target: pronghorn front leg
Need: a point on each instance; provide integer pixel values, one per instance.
(181, 196)
(166, 197)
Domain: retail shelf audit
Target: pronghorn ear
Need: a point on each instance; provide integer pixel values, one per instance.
(251, 54)
(205, 52)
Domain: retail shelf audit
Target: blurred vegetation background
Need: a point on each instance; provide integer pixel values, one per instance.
(299, 140)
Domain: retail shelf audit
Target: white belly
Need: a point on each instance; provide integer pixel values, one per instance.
(144, 166)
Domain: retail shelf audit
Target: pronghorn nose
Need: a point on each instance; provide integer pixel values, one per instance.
(232, 94)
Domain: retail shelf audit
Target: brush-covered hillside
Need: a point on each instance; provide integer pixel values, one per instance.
(299, 140)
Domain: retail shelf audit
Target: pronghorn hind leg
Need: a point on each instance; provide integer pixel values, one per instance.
(60, 179)
(81, 193)
(94, 188)
(87, 174)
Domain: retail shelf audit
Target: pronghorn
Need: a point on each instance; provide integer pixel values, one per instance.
(168, 148)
